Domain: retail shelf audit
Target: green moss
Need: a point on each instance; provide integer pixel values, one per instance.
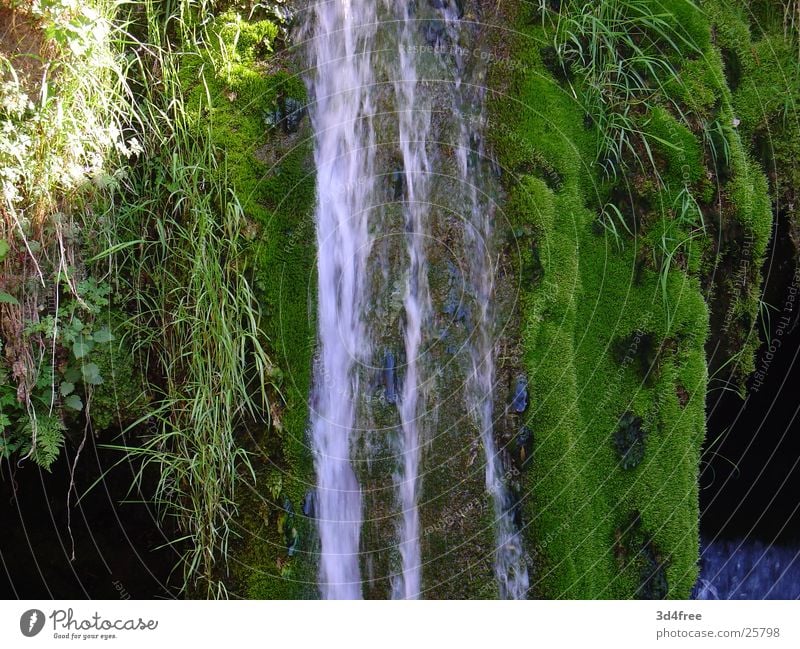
(699, 85)
(235, 86)
(688, 20)
(677, 145)
(593, 293)
(748, 193)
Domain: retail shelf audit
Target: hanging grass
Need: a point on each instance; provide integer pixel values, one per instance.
(179, 251)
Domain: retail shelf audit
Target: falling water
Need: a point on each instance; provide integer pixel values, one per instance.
(342, 114)
(367, 77)
(414, 125)
(510, 568)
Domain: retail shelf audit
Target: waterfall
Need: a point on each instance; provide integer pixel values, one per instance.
(342, 116)
(414, 125)
(374, 71)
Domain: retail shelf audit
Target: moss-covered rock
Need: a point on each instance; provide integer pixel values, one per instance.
(597, 286)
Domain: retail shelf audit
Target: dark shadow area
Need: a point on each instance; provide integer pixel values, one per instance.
(751, 464)
(118, 545)
(750, 481)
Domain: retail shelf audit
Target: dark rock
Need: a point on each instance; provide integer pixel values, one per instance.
(287, 113)
(294, 111)
(520, 400)
(454, 304)
(629, 440)
(474, 158)
(398, 185)
(457, 309)
(524, 446)
(516, 515)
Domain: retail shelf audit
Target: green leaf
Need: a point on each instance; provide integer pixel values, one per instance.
(4, 247)
(72, 374)
(73, 402)
(49, 436)
(103, 335)
(5, 298)
(91, 374)
(67, 388)
(82, 346)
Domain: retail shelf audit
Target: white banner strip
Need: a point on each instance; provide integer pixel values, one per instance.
(382, 625)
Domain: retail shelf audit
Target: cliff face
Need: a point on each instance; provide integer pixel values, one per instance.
(632, 228)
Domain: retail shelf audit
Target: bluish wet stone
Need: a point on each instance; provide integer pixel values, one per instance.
(453, 7)
(294, 111)
(309, 506)
(287, 113)
(398, 185)
(389, 378)
(520, 400)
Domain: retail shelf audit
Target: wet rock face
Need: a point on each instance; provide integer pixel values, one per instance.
(398, 179)
(435, 32)
(455, 304)
(286, 525)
